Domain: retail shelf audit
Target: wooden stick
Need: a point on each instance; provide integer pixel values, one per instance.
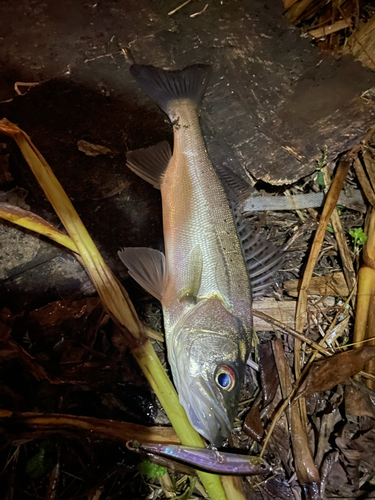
(328, 30)
(346, 258)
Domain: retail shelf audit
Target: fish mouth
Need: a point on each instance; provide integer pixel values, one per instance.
(206, 416)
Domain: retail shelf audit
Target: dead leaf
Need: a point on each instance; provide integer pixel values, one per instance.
(92, 149)
(14, 212)
(365, 446)
(57, 312)
(361, 44)
(10, 349)
(277, 487)
(104, 428)
(268, 372)
(328, 372)
(358, 403)
(253, 426)
(4, 172)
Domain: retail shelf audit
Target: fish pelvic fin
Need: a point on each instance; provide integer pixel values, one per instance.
(166, 86)
(195, 269)
(147, 267)
(150, 163)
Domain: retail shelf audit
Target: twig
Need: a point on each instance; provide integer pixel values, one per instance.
(178, 8)
(328, 30)
(25, 84)
(346, 258)
(297, 335)
(363, 180)
(200, 12)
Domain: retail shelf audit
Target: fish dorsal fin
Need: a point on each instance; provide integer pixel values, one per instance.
(195, 269)
(236, 188)
(166, 86)
(147, 267)
(150, 163)
(262, 257)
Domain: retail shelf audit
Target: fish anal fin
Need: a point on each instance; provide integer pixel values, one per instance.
(147, 267)
(150, 163)
(195, 269)
(166, 86)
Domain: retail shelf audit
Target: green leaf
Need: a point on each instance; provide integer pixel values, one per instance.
(320, 179)
(41, 463)
(150, 470)
(323, 159)
(358, 235)
(329, 229)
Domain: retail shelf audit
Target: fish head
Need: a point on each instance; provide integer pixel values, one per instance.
(208, 366)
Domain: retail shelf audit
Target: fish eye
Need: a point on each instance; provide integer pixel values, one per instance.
(226, 378)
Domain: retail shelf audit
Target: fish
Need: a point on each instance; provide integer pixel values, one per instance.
(212, 260)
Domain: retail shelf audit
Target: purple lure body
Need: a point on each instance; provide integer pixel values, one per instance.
(213, 461)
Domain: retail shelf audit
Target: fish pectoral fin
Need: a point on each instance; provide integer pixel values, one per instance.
(147, 267)
(150, 163)
(195, 269)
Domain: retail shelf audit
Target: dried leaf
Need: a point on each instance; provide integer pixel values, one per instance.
(57, 312)
(358, 403)
(4, 172)
(329, 29)
(10, 349)
(268, 372)
(328, 372)
(253, 426)
(361, 44)
(31, 221)
(326, 468)
(92, 149)
(365, 445)
(277, 487)
(104, 428)
(328, 421)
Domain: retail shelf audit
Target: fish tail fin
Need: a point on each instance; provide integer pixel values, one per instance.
(166, 86)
